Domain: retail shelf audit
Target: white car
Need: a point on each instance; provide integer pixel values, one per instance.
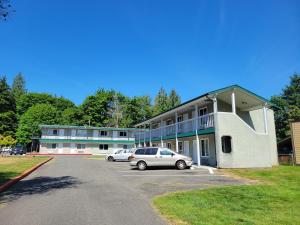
(122, 155)
(6, 149)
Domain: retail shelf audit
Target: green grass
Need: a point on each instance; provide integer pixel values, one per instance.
(274, 200)
(11, 167)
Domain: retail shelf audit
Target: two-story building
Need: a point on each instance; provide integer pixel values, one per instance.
(227, 128)
(61, 139)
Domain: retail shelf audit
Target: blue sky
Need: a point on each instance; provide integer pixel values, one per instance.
(72, 48)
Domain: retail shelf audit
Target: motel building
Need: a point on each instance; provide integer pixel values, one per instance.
(61, 139)
(227, 128)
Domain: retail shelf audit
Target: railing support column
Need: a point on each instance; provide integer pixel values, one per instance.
(176, 130)
(150, 142)
(265, 118)
(233, 102)
(161, 133)
(144, 135)
(139, 137)
(197, 138)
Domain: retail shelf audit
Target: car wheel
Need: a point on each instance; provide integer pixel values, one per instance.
(141, 165)
(110, 158)
(181, 165)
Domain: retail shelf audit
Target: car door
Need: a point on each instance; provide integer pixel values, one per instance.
(166, 157)
(118, 155)
(124, 155)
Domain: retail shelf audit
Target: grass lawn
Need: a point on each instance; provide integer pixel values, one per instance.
(274, 200)
(13, 166)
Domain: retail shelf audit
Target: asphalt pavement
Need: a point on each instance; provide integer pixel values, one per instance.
(78, 190)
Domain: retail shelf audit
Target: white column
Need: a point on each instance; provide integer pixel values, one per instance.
(145, 135)
(265, 109)
(176, 130)
(215, 105)
(161, 133)
(233, 102)
(139, 137)
(150, 142)
(197, 138)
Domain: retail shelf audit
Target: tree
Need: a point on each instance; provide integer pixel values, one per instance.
(161, 102)
(18, 86)
(71, 116)
(8, 119)
(288, 107)
(7, 141)
(174, 99)
(30, 99)
(5, 9)
(115, 110)
(95, 108)
(32, 118)
(136, 110)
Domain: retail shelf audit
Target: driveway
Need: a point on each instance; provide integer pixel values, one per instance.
(77, 190)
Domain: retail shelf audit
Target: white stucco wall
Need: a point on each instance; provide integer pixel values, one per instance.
(249, 148)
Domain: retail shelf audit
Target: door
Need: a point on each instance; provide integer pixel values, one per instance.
(166, 158)
(180, 147)
(194, 157)
(186, 148)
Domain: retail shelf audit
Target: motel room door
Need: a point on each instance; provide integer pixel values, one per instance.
(186, 148)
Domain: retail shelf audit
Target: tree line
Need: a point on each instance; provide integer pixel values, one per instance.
(21, 112)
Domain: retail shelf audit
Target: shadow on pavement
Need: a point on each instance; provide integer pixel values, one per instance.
(38, 185)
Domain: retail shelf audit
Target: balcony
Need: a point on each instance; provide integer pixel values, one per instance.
(187, 126)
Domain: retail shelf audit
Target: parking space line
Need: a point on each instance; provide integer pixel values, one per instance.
(171, 175)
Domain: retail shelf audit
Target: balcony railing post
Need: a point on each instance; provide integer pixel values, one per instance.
(176, 130)
(161, 133)
(150, 134)
(197, 138)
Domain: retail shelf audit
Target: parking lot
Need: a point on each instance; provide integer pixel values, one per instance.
(155, 181)
(85, 190)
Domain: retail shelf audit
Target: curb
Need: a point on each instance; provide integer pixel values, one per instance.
(14, 180)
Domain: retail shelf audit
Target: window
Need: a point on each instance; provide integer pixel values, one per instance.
(169, 122)
(140, 151)
(202, 111)
(180, 118)
(151, 151)
(103, 133)
(103, 146)
(80, 146)
(54, 132)
(81, 133)
(123, 133)
(125, 147)
(169, 145)
(52, 146)
(166, 152)
(226, 144)
(204, 147)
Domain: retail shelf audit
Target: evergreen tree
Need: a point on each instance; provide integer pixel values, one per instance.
(174, 99)
(8, 119)
(161, 102)
(18, 86)
(288, 107)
